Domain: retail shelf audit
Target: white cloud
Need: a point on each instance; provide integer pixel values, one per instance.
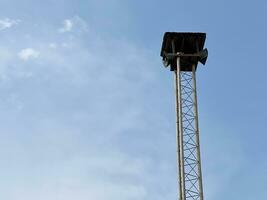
(68, 98)
(67, 159)
(52, 45)
(67, 26)
(73, 24)
(7, 23)
(28, 53)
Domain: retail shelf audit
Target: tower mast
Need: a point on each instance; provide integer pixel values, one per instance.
(182, 52)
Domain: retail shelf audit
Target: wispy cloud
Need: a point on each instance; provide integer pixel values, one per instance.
(52, 45)
(67, 26)
(80, 112)
(28, 53)
(7, 23)
(75, 23)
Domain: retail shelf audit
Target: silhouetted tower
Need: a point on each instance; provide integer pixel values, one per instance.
(182, 52)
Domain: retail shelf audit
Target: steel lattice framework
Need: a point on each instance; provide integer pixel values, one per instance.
(189, 162)
(182, 52)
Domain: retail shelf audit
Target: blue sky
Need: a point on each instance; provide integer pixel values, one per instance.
(87, 109)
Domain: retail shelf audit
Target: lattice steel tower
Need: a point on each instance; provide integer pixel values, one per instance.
(182, 52)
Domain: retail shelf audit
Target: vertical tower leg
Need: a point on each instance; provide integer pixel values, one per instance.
(197, 132)
(188, 149)
(180, 154)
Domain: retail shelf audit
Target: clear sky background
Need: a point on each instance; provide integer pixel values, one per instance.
(87, 109)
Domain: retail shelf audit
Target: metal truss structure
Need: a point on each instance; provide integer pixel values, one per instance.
(182, 51)
(188, 149)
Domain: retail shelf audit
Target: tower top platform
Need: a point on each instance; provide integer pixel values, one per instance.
(189, 45)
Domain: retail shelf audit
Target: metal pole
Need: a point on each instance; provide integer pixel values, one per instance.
(180, 130)
(197, 132)
(178, 133)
